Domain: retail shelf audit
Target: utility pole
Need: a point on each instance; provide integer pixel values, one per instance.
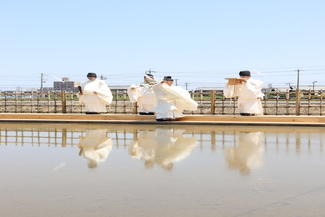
(176, 81)
(314, 86)
(186, 85)
(102, 77)
(42, 81)
(298, 75)
(150, 71)
(298, 94)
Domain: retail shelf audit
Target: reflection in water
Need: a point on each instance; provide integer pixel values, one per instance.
(95, 146)
(162, 146)
(246, 154)
(143, 147)
(202, 185)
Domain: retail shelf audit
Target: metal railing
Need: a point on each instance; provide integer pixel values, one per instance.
(210, 103)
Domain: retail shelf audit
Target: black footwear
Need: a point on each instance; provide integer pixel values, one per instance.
(165, 119)
(146, 113)
(247, 114)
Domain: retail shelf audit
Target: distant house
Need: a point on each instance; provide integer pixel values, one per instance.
(67, 85)
(118, 88)
(207, 89)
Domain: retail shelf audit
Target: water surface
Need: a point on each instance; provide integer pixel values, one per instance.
(78, 170)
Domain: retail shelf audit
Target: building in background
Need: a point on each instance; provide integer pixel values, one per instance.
(67, 85)
(118, 88)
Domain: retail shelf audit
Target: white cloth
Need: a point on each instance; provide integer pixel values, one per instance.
(144, 95)
(172, 101)
(95, 102)
(249, 96)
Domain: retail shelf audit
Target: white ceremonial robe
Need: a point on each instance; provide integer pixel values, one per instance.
(95, 102)
(144, 95)
(172, 101)
(249, 96)
(95, 146)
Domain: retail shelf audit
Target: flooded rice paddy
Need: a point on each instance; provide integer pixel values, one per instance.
(138, 170)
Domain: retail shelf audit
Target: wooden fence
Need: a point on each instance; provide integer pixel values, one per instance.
(211, 102)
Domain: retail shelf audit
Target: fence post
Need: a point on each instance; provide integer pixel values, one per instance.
(201, 103)
(321, 102)
(64, 102)
(135, 108)
(124, 101)
(213, 102)
(297, 101)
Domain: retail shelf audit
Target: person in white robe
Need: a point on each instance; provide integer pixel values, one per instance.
(249, 94)
(171, 100)
(95, 95)
(143, 95)
(95, 146)
(247, 154)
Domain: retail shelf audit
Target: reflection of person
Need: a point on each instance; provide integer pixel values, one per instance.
(172, 147)
(172, 100)
(143, 147)
(144, 95)
(95, 146)
(249, 95)
(95, 94)
(247, 154)
(164, 146)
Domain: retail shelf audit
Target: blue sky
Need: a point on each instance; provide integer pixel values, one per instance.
(198, 42)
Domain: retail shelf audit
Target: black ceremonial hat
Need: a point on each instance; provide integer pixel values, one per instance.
(244, 73)
(91, 74)
(168, 78)
(149, 75)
